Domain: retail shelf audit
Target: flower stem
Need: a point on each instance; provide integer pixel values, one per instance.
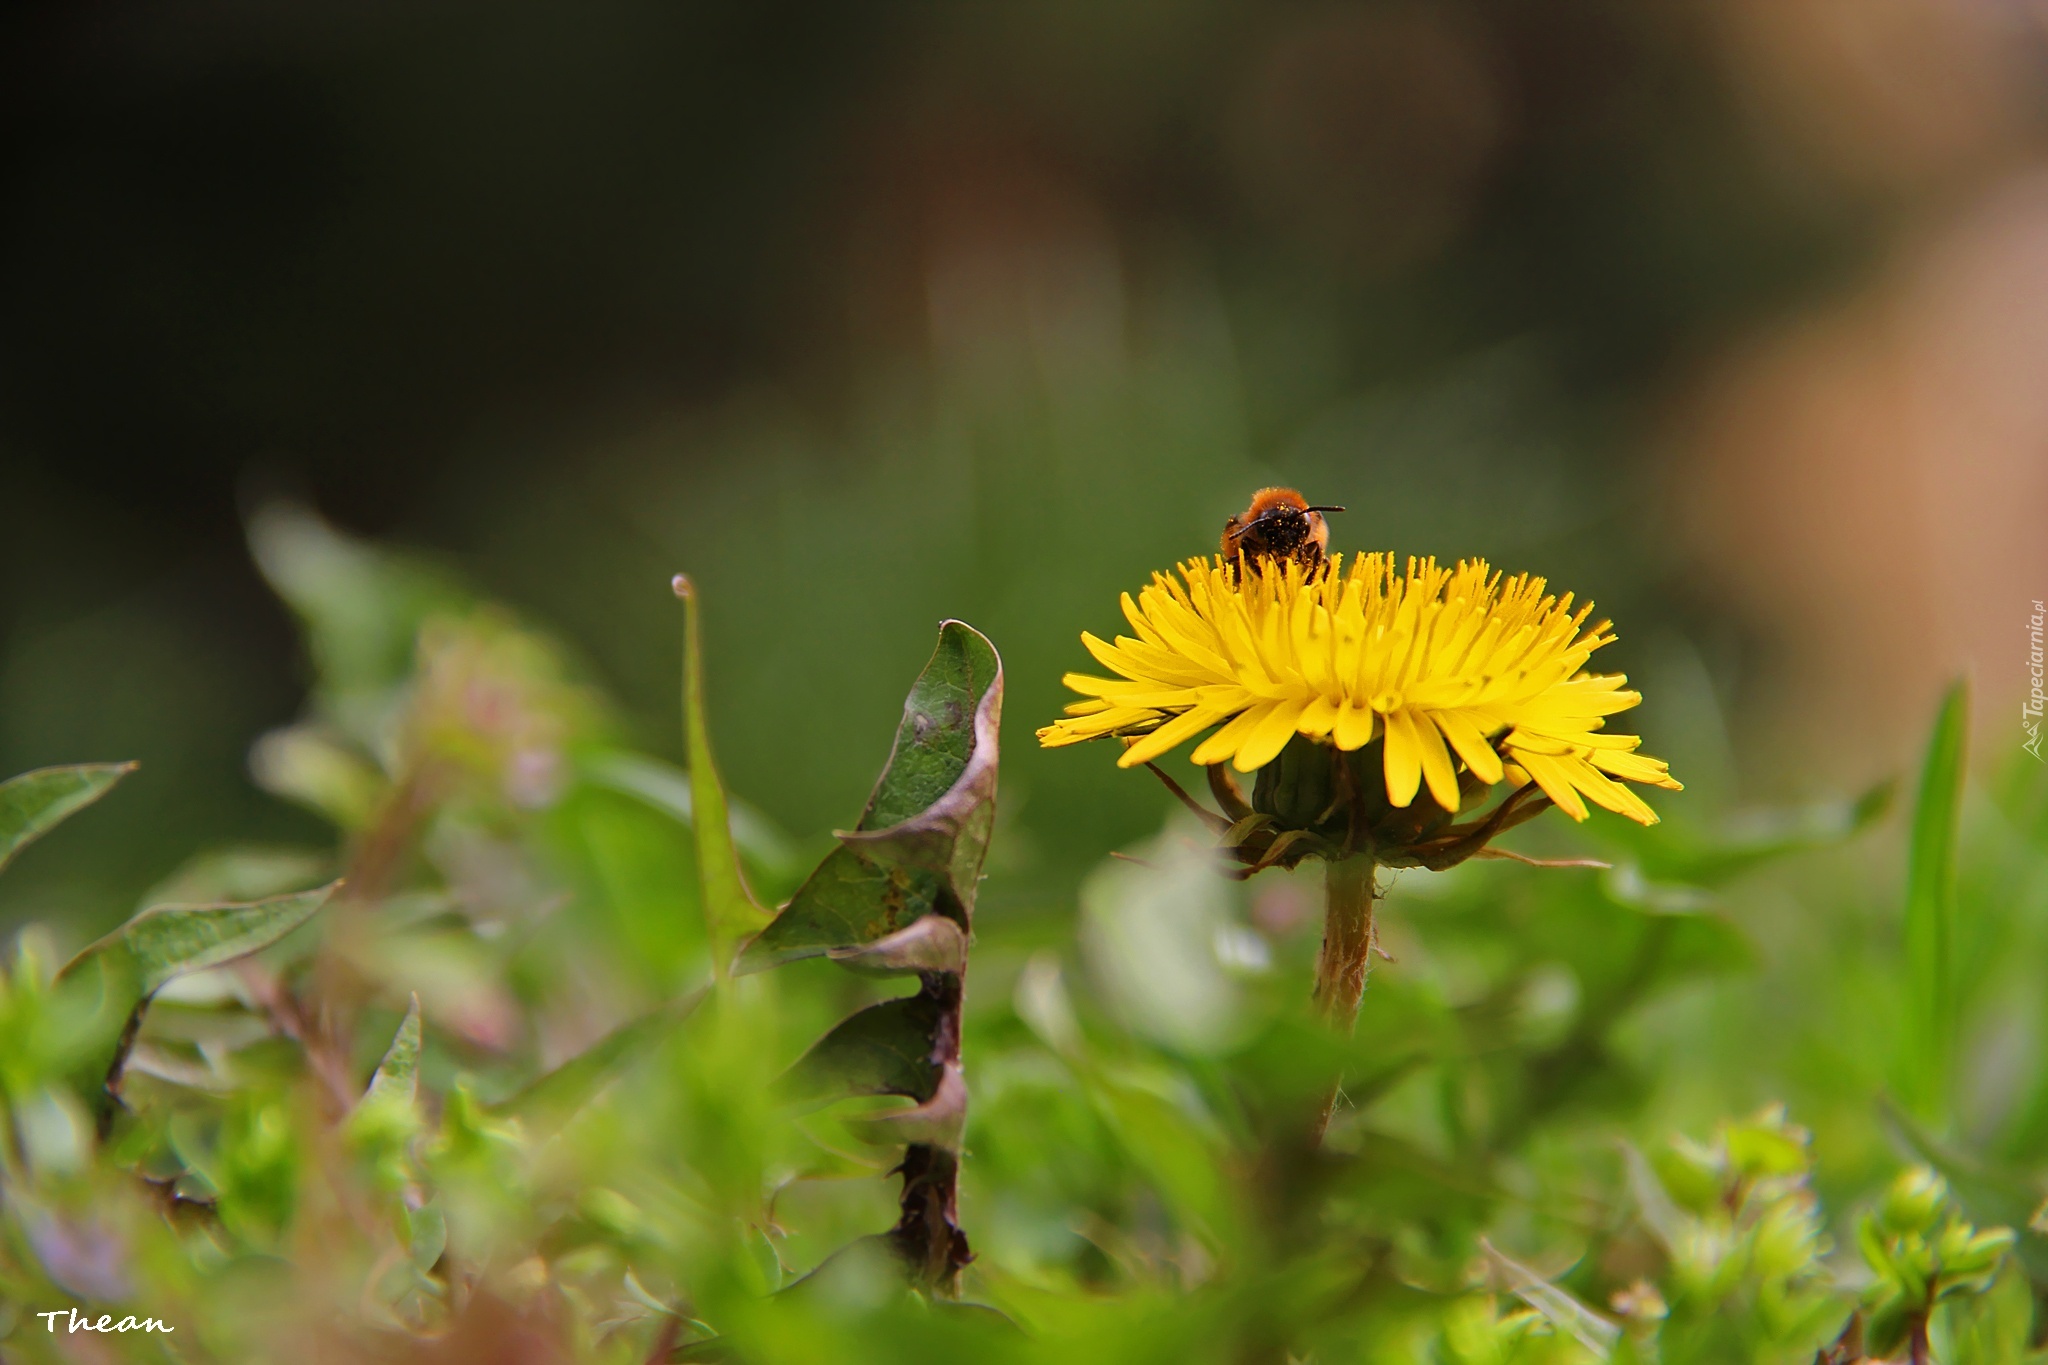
(1346, 956)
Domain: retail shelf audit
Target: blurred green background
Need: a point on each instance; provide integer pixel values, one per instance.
(869, 317)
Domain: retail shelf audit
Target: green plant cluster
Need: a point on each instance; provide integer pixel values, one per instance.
(1922, 1253)
(490, 1077)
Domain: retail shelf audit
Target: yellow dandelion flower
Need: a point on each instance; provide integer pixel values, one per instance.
(1457, 670)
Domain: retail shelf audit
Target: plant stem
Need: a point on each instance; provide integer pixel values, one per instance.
(928, 1235)
(1346, 956)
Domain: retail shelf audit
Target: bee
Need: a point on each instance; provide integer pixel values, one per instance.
(1279, 524)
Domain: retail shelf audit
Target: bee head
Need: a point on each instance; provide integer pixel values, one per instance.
(1285, 516)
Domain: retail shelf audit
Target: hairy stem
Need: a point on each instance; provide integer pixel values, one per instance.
(1346, 956)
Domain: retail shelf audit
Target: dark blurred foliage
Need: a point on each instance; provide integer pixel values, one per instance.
(864, 315)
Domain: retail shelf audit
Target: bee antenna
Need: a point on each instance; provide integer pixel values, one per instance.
(1322, 509)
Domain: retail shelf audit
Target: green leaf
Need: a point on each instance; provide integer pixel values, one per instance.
(730, 910)
(361, 605)
(935, 802)
(1765, 1145)
(428, 1237)
(1876, 1254)
(1175, 1150)
(315, 765)
(167, 941)
(1668, 852)
(635, 882)
(34, 802)
(1658, 1211)
(1564, 1312)
(848, 902)
(1993, 1329)
(1988, 1192)
(919, 846)
(885, 1049)
(1930, 913)
(550, 1101)
(397, 1076)
(1885, 1330)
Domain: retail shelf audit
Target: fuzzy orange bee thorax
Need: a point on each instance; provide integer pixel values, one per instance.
(1279, 524)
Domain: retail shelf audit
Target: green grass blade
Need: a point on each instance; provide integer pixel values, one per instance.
(35, 802)
(730, 911)
(1930, 912)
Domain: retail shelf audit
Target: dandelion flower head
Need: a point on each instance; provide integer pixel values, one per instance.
(1458, 671)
